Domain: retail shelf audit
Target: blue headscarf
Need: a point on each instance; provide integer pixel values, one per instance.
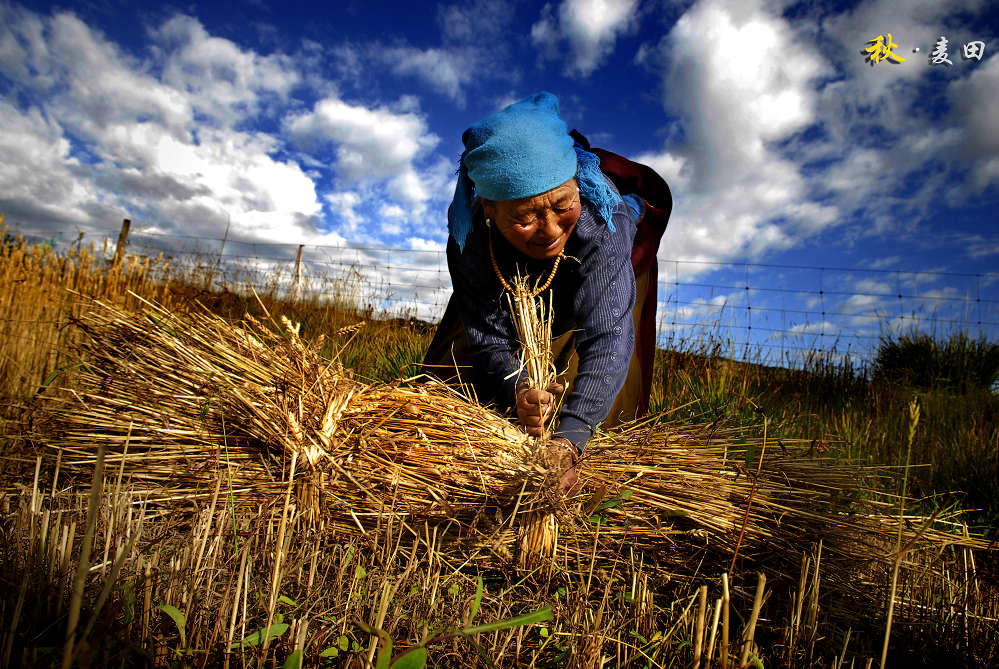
(523, 150)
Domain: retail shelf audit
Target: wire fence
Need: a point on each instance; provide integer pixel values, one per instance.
(772, 313)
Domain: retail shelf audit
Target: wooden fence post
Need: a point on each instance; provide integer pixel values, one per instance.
(119, 250)
(298, 274)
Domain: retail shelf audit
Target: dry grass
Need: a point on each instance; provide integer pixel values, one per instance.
(250, 478)
(38, 304)
(218, 427)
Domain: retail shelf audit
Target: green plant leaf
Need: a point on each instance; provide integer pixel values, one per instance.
(612, 503)
(332, 651)
(54, 375)
(178, 619)
(278, 618)
(539, 616)
(385, 652)
(284, 599)
(254, 639)
(343, 642)
(128, 591)
(638, 636)
(294, 661)
(474, 609)
(411, 659)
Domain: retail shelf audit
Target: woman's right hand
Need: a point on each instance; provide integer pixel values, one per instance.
(536, 407)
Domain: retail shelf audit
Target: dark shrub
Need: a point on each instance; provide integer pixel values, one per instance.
(959, 364)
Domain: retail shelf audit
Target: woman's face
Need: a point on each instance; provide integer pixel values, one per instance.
(540, 225)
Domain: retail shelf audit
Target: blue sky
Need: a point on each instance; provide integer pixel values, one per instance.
(325, 123)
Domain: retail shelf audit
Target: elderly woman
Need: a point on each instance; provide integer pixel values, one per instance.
(532, 198)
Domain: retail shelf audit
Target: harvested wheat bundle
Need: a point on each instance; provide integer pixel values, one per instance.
(179, 401)
(532, 319)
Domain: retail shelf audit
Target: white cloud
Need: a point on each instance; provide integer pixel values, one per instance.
(117, 140)
(39, 176)
(669, 166)
(746, 179)
(860, 303)
(419, 244)
(96, 86)
(872, 286)
(446, 70)
(978, 246)
(822, 327)
(700, 307)
(372, 145)
(733, 190)
(591, 28)
(974, 101)
(879, 124)
(344, 205)
(392, 211)
(223, 80)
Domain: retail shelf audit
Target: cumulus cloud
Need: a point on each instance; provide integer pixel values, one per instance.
(40, 176)
(344, 205)
(734, 191)
(591, 28)
(882, 133)
(475, 43)
(784, 131)
(166, 139)
(371, 145)
(974, 101)
(447, 71)
(821, 327)
(229, 83)
(92, 84)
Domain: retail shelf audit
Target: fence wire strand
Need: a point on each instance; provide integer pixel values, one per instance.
(760, 306)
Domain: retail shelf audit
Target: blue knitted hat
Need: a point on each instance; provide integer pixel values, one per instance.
(520, 151)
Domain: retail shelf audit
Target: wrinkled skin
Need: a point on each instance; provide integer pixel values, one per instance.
(534, 409)
(540, 225)
(561, 456)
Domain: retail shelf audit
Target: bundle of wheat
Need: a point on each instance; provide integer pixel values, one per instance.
(532, 319)
(180, 400)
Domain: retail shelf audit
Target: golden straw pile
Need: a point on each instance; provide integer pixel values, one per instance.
(180, 401)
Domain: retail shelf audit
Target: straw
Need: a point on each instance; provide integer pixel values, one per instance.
(165, 384)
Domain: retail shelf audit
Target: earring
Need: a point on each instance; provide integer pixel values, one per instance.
(489, 222)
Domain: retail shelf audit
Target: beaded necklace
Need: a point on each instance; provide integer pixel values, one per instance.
(503, 281)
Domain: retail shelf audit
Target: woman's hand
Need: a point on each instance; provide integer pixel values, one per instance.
(561, 456)
(536, 407)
